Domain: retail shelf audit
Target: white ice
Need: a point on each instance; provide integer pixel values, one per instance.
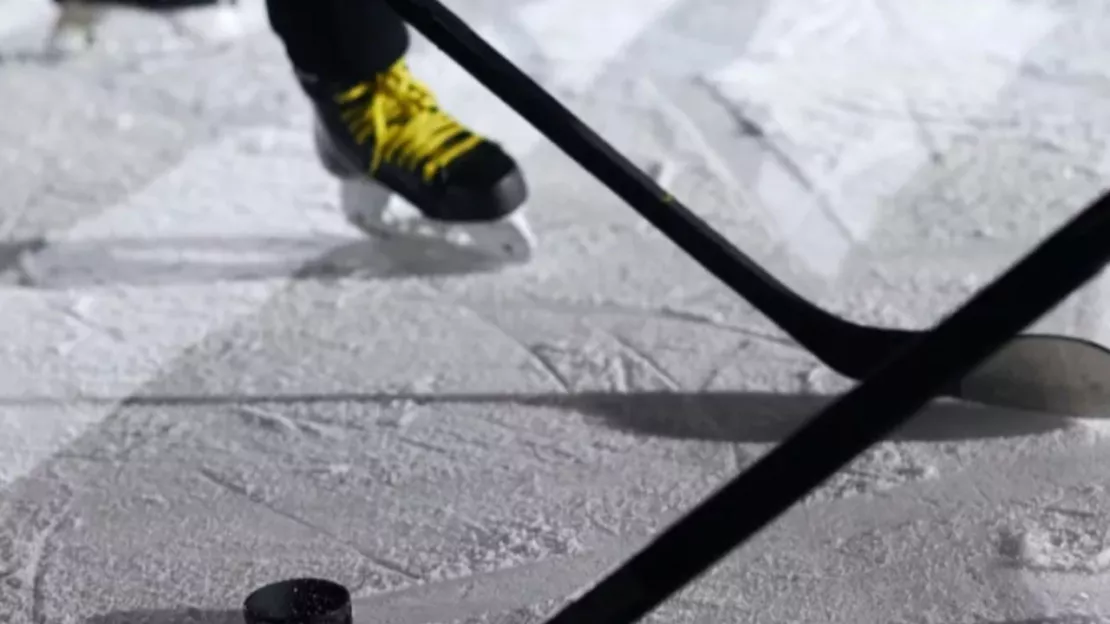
(209, 381)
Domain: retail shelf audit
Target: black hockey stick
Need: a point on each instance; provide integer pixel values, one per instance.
(859, 419)
(1019, 376)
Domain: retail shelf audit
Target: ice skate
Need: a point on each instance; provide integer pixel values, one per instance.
(199, 21)
(410, 170)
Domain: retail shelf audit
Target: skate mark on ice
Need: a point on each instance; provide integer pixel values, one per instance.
(274, 422)
(617, 308)
(643, 358)
(526, 586)
(579, 51)
(542, 363)
(602, 363)
(256, 494)
(507, 545)
(885, 466)
(27, 536)
(860, 161)
(676, 128)
(1069, 535)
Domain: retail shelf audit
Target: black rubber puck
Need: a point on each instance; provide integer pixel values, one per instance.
(299, 601)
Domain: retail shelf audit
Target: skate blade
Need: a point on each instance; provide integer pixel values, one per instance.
(379, 213)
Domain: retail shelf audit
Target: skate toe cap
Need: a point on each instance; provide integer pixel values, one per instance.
(488, 200)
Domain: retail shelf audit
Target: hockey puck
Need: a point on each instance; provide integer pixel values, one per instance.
(299, 601)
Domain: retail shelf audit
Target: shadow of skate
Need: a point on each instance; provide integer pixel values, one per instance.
(755, 417)
(188, 260)
(32, 56)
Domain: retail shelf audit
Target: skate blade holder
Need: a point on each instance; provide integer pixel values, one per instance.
(380, 213)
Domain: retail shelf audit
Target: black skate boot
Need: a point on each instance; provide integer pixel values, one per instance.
(388, 136)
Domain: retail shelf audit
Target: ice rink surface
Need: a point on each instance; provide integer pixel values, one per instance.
(208, 381)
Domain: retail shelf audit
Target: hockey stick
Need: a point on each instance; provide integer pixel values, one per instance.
(1018, 377)
(859, 419)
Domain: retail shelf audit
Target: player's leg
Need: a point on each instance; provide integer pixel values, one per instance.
(381, 130)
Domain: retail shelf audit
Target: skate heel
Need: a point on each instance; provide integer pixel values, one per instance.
(330, 157)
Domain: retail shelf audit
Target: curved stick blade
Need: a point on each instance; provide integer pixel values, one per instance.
(1044, 373)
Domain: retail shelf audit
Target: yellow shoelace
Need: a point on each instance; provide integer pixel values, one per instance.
(403, 119)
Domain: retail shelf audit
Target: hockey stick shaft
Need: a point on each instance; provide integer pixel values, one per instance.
(846, 347)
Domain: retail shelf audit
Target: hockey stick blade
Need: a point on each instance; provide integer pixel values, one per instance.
(848, 427)
(851, 349)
